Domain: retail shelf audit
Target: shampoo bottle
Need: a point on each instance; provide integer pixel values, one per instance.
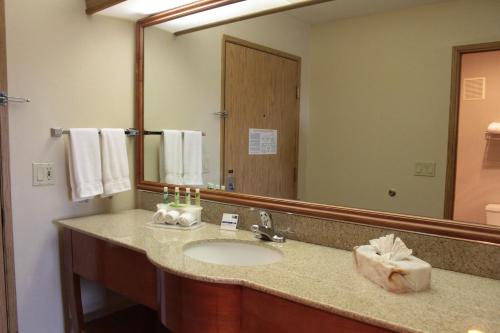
(177, 198)
(187, 196)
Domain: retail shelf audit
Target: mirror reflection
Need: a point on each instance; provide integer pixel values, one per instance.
(344, 103)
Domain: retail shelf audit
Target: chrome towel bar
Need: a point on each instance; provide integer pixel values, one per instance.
(4, 99)
(58, 132)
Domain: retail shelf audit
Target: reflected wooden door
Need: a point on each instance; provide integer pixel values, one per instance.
(261, 88)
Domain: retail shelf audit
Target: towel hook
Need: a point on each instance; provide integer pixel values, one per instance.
(4, 99)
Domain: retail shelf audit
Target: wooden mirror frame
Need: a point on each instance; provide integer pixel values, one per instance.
(431, 226)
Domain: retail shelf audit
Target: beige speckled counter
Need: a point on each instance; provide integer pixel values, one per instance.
(318, 276)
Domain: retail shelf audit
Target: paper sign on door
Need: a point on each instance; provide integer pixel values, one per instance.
(262, 141)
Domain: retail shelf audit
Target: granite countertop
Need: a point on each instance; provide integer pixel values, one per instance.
(318, 276)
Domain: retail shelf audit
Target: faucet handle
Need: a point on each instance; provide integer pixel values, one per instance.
(266, 219)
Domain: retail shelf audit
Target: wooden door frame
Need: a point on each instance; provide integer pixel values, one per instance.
(5, 196)
(456, 69)
(242, 42)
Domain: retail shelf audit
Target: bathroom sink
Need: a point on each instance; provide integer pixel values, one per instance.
(232, 253)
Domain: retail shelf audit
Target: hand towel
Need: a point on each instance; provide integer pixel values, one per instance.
(193, 158)
(494, 128)
(187, 219)
(172, 217)
(160, 216)
(115, 173)
(84, 163)
(171, 168)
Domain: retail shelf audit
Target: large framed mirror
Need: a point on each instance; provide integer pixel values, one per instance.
(379, 112)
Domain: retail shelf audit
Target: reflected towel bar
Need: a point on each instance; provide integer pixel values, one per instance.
(160, 133)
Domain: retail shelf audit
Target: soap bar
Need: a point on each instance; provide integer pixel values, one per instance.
(410, 275)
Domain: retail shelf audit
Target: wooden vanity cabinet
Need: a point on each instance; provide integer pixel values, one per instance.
(185, 305)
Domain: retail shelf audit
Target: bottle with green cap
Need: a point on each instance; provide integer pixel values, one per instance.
(165, 195)
(177, 196)
(187, 196)
(197, 197)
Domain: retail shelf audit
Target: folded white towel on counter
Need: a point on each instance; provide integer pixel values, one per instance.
(494, 128)
(389, 263)
(115, 172)
(193, 167)
(171, 159)
(160, 216)
(84, 163)
(187, 219)
(172, 217)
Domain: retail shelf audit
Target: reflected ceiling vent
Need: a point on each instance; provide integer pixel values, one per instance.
(475, 89)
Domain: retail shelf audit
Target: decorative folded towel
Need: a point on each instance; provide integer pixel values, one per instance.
(187, 219)
(171, 166)
(84, 163)
(160, 216)
(172, 217)
(494, 128)
(115, 173)
(193, 168)
(389, 263)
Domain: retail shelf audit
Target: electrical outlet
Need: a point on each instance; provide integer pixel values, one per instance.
(43, 174)
(426, 169)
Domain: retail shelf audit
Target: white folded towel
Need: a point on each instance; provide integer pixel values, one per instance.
(172, 217)
(84, 163)
(494, 128)
(160, 216)
(115, 173)
(171, 168)
(187, 219)
(193, 158)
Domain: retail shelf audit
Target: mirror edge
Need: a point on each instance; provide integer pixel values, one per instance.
(430, 226)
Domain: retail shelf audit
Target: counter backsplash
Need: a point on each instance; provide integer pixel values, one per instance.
(446, 253)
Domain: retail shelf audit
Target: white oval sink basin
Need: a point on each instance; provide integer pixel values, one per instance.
(232, 253)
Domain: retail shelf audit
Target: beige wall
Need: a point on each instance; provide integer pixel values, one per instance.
(478, 160)
(78, 71)
(183, 80)
(380, 102)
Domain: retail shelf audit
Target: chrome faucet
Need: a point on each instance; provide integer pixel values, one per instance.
(265, 230)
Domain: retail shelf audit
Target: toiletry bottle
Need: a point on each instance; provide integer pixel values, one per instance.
(230, 185)
(165, 195)
(187, 196)
(177, 198)
(222, 188)
(197, 197)
(217, 187)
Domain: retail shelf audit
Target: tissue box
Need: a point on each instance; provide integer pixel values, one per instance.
(409, 275)
(182, 208)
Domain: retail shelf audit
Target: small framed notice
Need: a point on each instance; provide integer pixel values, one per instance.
(229, 221)
(262, 141)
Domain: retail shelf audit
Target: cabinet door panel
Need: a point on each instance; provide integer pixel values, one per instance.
(124, 271)
(267, 313)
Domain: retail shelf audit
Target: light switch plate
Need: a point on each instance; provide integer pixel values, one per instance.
(426, 169)
(43, 174)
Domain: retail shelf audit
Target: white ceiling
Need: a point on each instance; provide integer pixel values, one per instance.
(329, 11)
(341, 9)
